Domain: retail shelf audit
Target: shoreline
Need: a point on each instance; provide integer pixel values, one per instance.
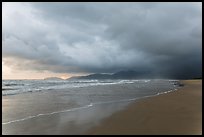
(52, 117)
(43, 96)
(174, 113)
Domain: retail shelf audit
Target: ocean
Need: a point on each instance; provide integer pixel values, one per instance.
(12, 87)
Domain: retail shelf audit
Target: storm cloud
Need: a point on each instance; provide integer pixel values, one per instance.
(164, 39)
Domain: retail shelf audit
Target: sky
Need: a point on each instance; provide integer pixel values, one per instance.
(69, 39)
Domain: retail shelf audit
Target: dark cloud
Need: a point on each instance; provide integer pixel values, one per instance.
(164, 39)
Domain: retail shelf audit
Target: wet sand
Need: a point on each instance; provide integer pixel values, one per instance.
(174, 113)
(52, 113)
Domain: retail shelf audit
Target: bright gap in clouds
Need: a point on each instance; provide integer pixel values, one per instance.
(8, 73)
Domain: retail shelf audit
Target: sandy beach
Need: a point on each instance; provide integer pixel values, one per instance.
(174, 113)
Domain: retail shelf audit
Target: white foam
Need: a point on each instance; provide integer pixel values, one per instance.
(43, 85)
(68, 110)
(87, 106)
(46, 114)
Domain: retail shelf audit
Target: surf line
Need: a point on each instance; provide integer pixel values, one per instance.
(87, 106)
(46, 114)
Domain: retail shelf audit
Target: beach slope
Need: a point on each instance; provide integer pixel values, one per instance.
(177, 112)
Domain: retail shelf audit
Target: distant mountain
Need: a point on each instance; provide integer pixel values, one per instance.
(96, 76)
(129, 74)
(53, 78)
(92, 76)
(74, 77)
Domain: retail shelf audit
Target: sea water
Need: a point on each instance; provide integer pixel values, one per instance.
(12, 87)
(78, 101)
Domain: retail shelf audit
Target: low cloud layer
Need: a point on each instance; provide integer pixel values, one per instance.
(164, 39)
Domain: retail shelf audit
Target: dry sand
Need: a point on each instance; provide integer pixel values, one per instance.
(177, 112)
